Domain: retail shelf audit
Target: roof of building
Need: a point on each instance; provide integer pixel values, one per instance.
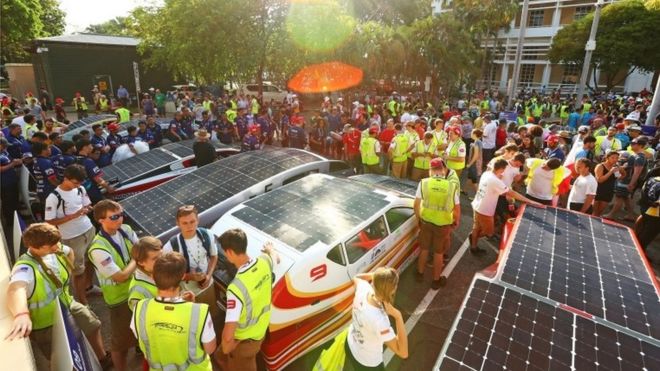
(83, 38)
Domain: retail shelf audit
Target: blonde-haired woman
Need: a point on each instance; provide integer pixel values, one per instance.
(370, 327)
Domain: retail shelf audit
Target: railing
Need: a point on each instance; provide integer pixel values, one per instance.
(565, 89)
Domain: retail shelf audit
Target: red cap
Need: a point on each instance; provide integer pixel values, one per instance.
(552, 138)
(437, 162)
(59, 100)
(620, 126)
(455, 129)
(373, 130)
(113, 126)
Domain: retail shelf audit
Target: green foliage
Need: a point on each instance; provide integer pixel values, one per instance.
(626, 40)
(52, 18)
(485, 17)
(119, 26)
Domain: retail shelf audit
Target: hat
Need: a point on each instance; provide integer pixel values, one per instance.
(565, 134)
(554, 127)
(640, 140)
(552, 139)
(113, 126)
(347, 128)
(59, 100)
(631, 118)
(437, 163)
(583, 129)
(373, 130)
(620, 126)
(635, 127)
(455, 129)
(202, 134)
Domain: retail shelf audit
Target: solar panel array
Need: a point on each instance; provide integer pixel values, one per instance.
(299, 213)
(404, 186)
(153, 210)
(570, 293)
(89, 120)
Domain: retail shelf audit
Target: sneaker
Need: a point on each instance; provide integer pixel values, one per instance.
(441, 282)
(419, 277)
(93, 290)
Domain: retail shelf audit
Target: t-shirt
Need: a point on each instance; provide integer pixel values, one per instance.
(25, 273)
(480, 145)
(197, 258)
(490, 189)
(582, 187)
(103, 261)
(510, 172)
(490, 134)
(634, 160)
(72, 201)
(208, 333)
(541, 184)
(370, 328)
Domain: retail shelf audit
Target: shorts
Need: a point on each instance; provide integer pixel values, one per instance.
(434, 237)
(484, 225)
(243, 357)
(79, 245)
(121, 336)
(577, 206)
(86, 320)
(539, 200)
(472, 173)
(621, 190)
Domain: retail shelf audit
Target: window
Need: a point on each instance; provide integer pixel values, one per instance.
(365, 240)
(527, 73)
(536, 18)
(396, 217)
(581, 11)
(299, 176)
(335, 255)
(571, 73)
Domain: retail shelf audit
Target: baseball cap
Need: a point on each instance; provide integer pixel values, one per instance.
(640, 140)
(631, 118)
(373, 130)
(437, 163)
(620, 126)
(583, 129)
(113, 126)
(552, 139)
(634, 127)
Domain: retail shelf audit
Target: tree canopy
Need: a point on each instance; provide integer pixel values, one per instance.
(626, 40)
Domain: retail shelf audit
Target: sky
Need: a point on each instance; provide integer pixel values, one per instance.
(82, 13)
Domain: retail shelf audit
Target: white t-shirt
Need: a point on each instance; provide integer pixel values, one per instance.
(490, 134)
(418, 194)
(208, 334)
(198, 259)
(370, 328)
(25, 273)
(103, 261)
(72, 201)
(510, 172)
(541, 185)
(583, 187)
(490, 189)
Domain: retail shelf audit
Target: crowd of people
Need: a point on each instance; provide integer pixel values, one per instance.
(590, 155)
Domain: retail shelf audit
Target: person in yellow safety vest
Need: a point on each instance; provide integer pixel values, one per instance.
(104, 104)
(423, 152)
(80, 106)
(207, 104)
(456, 151)
(598, 128)
(110, 253)
(254, 105)
(370, 152)
(586, 106)
(248, 302)
(413, 137)
(439, 134)
(231, 114)
(39, 282)
(142, 286)
(563, 113)
(484, 105)
(543, 179)
(188, 346)
(520, 119)
(607, 143)
(391, 106)
(398, 152)
(123, 114)
(437, 207)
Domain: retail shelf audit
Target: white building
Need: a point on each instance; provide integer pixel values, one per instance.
(544, 19)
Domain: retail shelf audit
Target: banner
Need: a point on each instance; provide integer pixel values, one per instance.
(71, 351)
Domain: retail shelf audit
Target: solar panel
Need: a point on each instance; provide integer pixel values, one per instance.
(297, 214)
(404, 186)
(571, 292)
(89, 120)
(153, 211)
(142, 163)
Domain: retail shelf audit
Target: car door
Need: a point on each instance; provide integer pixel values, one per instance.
(365, 247)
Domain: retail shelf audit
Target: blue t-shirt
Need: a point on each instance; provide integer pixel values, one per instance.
(241, 126)
(250, 143)
(147, 136)
(15, 148)
(176, 127)
(573, 119)
(9, 176)
(296, 137)
(555, 153)
(60, 162)
(225, 131)
(98, 141)
(90, 185)
(55, 150)
(264, 125)
(43, 170)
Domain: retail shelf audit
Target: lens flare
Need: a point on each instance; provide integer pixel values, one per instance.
(325, 77)
(318, 25)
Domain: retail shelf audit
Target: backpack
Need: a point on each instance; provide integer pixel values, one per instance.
(202, 234)
(60, 200)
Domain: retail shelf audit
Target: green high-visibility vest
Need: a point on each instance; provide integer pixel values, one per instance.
(207, 105)
(368, 151)
(563, 112)
(253, 288)
(615, 146)
(392, 107)
(170, 334)
(124, 115)
(424, 162)
(437, 205)
(453, 152)
(439, 137)
(113, 293)
(399, 154)
(586, 107)
(42, 303)
(140, 289)
(231, 115)
(538, 110)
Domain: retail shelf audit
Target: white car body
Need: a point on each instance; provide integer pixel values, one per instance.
(270, 91)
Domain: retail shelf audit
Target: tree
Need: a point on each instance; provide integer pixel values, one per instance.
(626, 41)
(52, 18)
(119, 26)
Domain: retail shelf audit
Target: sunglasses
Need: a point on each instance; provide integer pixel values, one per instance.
(116, 216)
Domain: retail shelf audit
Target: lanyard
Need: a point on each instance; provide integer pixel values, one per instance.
(114, 243)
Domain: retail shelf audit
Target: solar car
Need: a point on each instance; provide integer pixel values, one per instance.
(149, 169)
(326, 230)
(219, 186)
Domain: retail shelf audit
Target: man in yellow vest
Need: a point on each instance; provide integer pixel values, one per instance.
(398, 152)
(173, 334)
(39, 282)
(80, 105)
(606, 143)
(439, 134)
(370, 152)
(437, 207)
(423, 152)
(110, 253)
(123, 114)
(455, 151)
(544, 178)
(248, 302)
(145, 253)
(104, 104)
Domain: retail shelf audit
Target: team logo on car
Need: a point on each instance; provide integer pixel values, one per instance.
(318, 272)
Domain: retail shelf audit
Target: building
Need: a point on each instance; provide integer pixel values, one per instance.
(75, 63)
(544, 19)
